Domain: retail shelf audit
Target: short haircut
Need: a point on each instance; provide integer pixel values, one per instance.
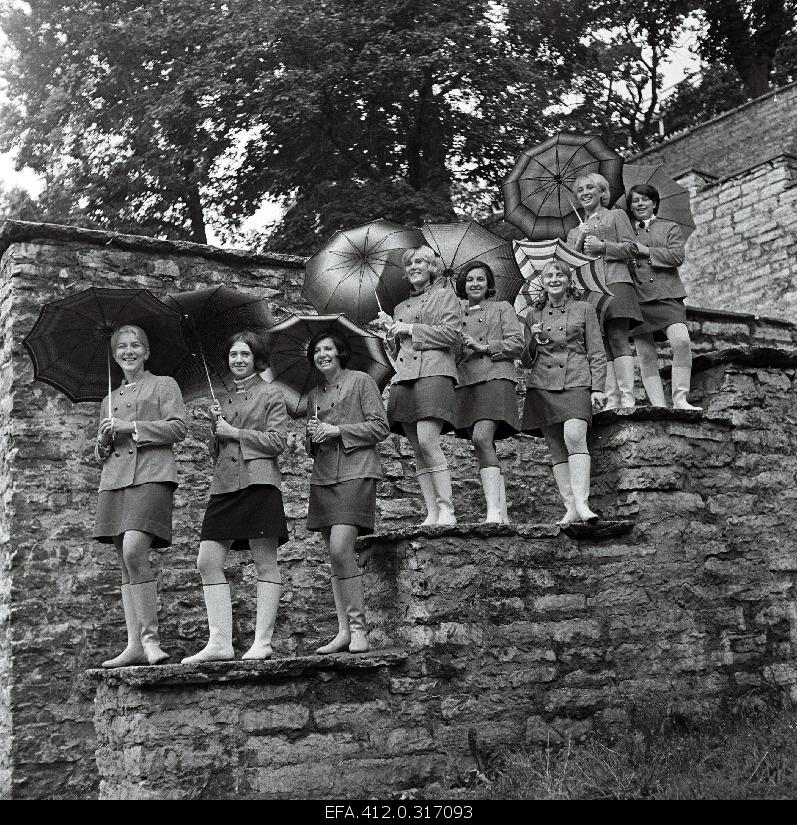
(600, 182)
(648, 191)
(428, 254)
(341, 345)
(254, 342)
(463, 276)
(140, 334)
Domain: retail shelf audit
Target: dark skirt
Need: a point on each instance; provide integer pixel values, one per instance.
(413, 401)
(658, 315)
(624, 304)
(493, 400)
(347, 502)
(256, 512)
(543, 408)
(145, 507)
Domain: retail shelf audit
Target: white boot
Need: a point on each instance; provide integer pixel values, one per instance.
(133, 654)
(429, 499)
(441, 478)
(580, 465)
(351, 590)
(491, 483)
(219, 607)
(561, 473)
(612, 393)
(145, 603)
(268, 601)
(681, 381)
(341, 641)
(624, 375)
(654, 389)
(504, 511)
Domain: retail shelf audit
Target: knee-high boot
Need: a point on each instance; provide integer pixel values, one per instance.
(268, 600)
(145, 602)
(491, 483)
(441, 478)
(654, 389)
(429, 498)
(133, 654)
(580, 465)
(681, 381)
(218, 604)
(503, 508)
(341, 641)
(561, 474)
(624, 373)
(352, 591)
(612, 393)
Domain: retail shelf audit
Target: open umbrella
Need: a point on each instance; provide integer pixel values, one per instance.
(70, 341)
(588, 272)
(359, 272)
(675, 199)
(211, 316)
(538, 192)
(287, 342)
(462, 242)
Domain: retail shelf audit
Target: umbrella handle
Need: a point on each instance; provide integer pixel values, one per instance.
(202, 355)
(378, 302)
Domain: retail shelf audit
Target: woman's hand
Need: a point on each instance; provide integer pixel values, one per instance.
(475, 345)
(105, 432)
(400, 328)
(598, 399)
(226, 430)
(215, 410)
(384, 319)
(594, 246)
(321, 432)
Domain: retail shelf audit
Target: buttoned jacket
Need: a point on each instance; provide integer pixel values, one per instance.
(656, 274)
(493, 323)
(258, 412)
(354, 405)
(436, 324)
(155, 404)
(614, 228)
(572, 354)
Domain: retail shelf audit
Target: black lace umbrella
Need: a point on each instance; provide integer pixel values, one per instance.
(538, 192)
(70, 341)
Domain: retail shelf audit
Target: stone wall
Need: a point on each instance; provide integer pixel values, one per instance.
(516, 635)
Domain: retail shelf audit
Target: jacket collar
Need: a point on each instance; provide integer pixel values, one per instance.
(427, 288)
(140, 382)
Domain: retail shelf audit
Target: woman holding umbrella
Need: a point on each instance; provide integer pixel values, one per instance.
(422, 336)
(658, 249)
(245, 510)
(342, 435)
(141, 421)
(568, 371)
(492, 338)
(606, 233)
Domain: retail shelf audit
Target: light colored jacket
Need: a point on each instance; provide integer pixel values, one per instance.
(354, 404)
(436, 323)
(613, 227)
(656, 274)
(495, 324)
(259, 414)
(572, 355)
(155, 404)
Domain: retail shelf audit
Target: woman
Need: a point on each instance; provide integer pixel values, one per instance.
(250, 430)
(421, 337)
(658, 250)
(141, 420)
(348, 422)
(492, 338)
(606, 233)
(568, 371)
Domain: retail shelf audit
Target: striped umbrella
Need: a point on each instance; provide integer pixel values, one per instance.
(589, 273)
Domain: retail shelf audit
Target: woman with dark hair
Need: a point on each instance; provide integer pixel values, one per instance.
(422, 337)
(250, 429)
(347, 422)
(658, 250)
(565, 354)
(492, 338)
(141, 421)
(606, 233)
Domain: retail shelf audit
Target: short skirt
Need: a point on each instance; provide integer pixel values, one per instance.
(413, 401)
(624, 304)
(658, 315)
(146, 507)
(544, 408)
(493, 400)
(347, 502)
(256, 512)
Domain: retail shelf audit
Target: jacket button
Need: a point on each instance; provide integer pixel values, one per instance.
(651, 280)
(650, 262)
(401, 357)
(414, 357)
(129, 404)
(561, 327)
(116, 454)
(550, 312)
(121, 392)
(563, 311)
(115, 409)
(332, 404)
(130, 452)
(562, 366)
(549, 329)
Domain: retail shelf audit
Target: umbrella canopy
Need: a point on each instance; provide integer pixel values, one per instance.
(675, 203)
(70, 341)
(293, 373)
(588, 272)
(462, 242)
(358, 271)
(210, 317)
(538, 192)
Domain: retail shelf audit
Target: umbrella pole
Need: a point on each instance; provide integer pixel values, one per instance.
(202, 355)
(572, 206)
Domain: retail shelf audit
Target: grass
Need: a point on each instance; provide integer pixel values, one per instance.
(747, 753)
